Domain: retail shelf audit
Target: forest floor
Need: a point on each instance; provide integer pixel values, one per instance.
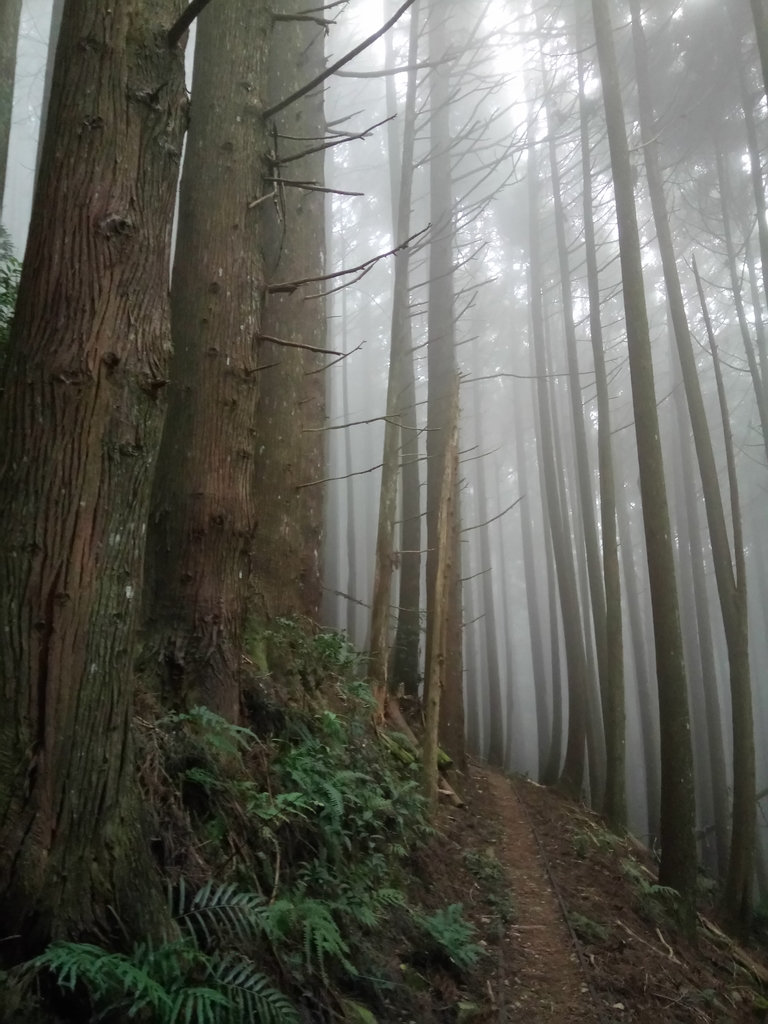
(574, 927)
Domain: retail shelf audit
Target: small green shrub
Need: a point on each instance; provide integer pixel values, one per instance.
(588, 931)
(653, 899)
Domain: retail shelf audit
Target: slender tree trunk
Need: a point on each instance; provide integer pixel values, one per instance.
(496, 745)
(762, 345)
(756, 169)
(290, 449)
(572, 776)
(352, 588)
(10, 19)
(760, 17)
(737, 897)
(757, 381)
(731, 586)
(509, 685)
(532, 594)
(436, 667)
(678, 843)
(706, 647)
(399, 351)
(472, 667)
(614, 715)
(585, 494)
(53, 41)
(202, 508)
(441, 367)
(80, 419)
(647, 695)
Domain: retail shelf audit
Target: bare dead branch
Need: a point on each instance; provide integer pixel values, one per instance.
(297, 344)
(467, 529)
(339, 63)
(311, 186)
(191, 11)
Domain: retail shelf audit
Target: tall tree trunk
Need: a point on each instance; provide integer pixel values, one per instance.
(496, 745)
(731, 585)
(760, 17)
(678, 843)
(202, 508)
(646, 692)
(572, 776)
(352, 588)
(80, 419)
(756, 169)
(585, 494)
(614, 715)
(737, 895)
(399, 351)
(704, 634)
(757, 381)
(285, 557)
(532, 593)
(53, 41)
(762, 344)
(441, 367)
(511, 753)
(10, 19)
(405, 660)
(436, 667)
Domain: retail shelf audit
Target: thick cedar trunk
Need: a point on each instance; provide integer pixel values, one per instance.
(405, 659)
(731, 586)
(441, 366)
(10, 18)
(532, 593)
(737, 895)
(646, 692)
(202, 507)
(290, 444)
(614, 717)
(573, 770)
(678, 844)
(399, 345)
(496, 738)
(81, 418)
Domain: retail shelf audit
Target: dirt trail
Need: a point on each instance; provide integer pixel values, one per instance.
(542, 977)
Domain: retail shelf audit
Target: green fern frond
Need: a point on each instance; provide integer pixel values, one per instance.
(221, 908)
(251, 992)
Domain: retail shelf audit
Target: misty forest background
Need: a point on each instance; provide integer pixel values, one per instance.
(544, 223)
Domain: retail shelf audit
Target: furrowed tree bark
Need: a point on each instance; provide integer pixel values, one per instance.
(731, 583)
(80, 418)
(285, 557)
(10, 19)
(737, 895)
(496, 738)
(614, 714)
(532, 593)
(202, 516)
(441, 368)
(572, 776)
(678, 845)
(398, 353)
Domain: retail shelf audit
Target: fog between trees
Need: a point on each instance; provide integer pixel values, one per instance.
(465, 355)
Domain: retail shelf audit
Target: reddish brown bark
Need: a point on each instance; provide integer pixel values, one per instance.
(81, 418)
(202, 510)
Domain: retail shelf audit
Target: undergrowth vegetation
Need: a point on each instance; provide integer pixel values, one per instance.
(10, 272)
(285, 848)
